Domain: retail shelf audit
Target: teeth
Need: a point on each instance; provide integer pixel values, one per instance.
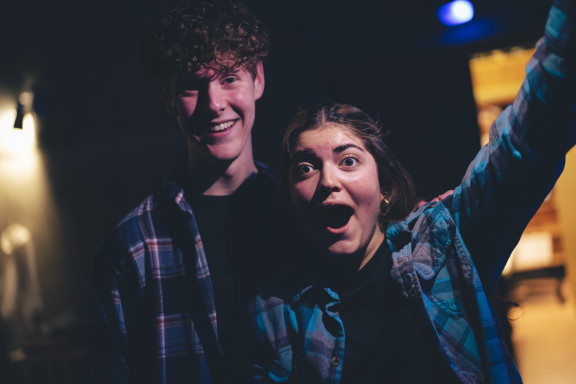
(223, 126)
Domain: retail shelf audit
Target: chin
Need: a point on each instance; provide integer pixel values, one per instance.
(341, 251)
(224, 154)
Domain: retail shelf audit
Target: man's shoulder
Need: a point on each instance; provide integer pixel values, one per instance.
(266, 179)
(260, 191)
(143, 222)
(139, 231)
(267, 172)
(133, 222)
(138, 213)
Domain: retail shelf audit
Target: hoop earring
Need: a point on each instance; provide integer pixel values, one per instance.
(384, 207)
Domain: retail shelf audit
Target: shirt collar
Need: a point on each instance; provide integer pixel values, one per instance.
(420, 245)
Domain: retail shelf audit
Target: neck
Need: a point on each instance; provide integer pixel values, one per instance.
(221, 178)
(372, 247)
(345, 268)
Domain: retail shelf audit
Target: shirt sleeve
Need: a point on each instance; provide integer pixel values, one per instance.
(511, 176)
(111, 303)
(268, 336)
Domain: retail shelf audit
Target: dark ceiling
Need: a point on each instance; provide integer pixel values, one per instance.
(36, 33)
(69, 49)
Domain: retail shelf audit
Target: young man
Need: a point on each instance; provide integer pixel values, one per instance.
(171, 282)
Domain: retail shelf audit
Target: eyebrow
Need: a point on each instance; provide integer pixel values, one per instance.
(307, 153)
(343, 147)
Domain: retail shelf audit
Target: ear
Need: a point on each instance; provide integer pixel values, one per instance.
(259, 81)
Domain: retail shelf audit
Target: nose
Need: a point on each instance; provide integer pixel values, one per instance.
(215, 99)
(329, 181)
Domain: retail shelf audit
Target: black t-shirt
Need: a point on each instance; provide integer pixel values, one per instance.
(240, 234)
(386, 342)
(212, 216)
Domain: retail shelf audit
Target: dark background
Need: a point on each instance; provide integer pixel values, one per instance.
(106, 142)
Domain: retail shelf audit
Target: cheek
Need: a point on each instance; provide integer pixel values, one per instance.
(187, 106)
(301, 195)
(302, 192)
(243, 100)
(369, 197)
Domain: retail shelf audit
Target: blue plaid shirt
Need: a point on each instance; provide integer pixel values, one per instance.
(448, 254)
(153, 314)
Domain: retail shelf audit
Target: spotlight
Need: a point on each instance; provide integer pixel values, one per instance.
(456, 12)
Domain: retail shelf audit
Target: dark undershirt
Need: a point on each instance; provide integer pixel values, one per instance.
(239, 234)
(385, 341)
(211, 214)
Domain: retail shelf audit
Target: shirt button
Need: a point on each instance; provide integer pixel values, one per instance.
(335, 361)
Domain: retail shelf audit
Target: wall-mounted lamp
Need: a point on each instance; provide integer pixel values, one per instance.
(19, 121)
(18, 126)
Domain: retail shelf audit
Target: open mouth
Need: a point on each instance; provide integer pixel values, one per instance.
(336, 216)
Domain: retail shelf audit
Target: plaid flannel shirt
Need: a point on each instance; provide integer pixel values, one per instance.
(448, 254)
(153, 315)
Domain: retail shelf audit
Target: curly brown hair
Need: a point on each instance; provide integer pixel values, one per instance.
(222, 33)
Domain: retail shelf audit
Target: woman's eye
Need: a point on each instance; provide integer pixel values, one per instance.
(350, 162)
(303, 169)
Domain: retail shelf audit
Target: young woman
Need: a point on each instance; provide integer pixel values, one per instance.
(393, 293)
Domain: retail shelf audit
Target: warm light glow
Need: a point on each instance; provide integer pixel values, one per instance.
(456, 12)
(498, 74)
(18, 154)
(534, 250)
(14, 236)
(26, 98)
(17, 141)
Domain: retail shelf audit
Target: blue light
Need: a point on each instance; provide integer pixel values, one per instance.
(456, 12)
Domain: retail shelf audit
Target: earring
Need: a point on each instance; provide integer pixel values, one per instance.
(384, 207)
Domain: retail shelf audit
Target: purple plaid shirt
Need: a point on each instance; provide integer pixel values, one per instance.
(448, 254)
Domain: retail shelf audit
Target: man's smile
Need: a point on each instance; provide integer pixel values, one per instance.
(222, 126)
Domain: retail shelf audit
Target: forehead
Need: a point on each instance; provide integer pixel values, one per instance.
(327, 136)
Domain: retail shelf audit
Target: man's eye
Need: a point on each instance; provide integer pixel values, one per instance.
(229, 80)
(349, 161)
